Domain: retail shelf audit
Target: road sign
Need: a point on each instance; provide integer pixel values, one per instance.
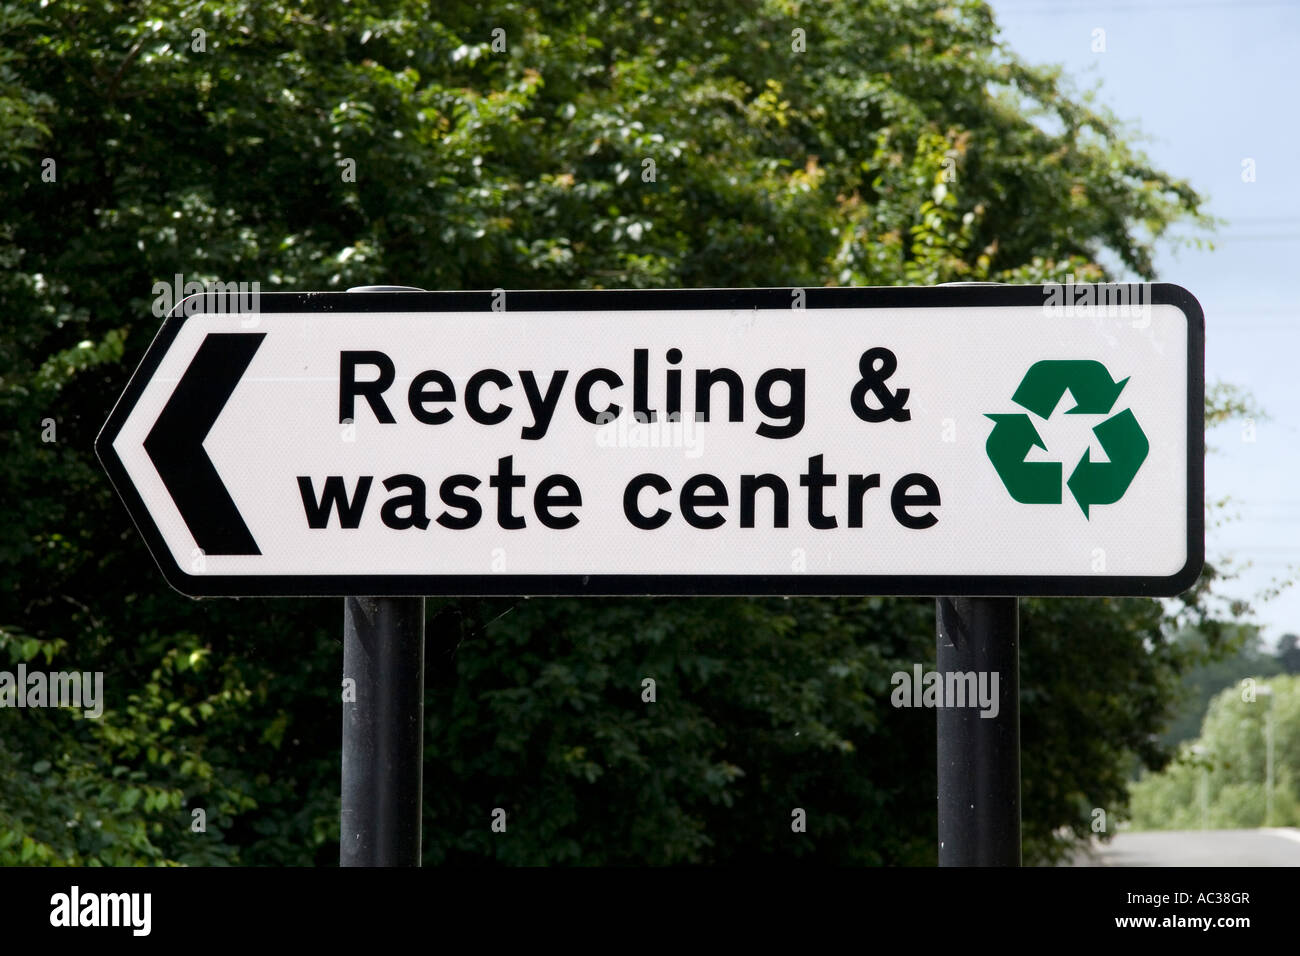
(976, 440)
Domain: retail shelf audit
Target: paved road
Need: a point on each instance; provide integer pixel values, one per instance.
(1275, 847)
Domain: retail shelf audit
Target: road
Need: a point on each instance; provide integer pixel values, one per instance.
(1271, 847)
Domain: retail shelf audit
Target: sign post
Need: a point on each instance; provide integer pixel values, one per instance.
(979, 756)
(976, 443)
(382, 789)
(383, 731)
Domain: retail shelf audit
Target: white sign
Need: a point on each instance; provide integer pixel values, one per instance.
(951, 440)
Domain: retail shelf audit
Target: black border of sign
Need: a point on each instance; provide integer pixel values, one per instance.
(883, 297)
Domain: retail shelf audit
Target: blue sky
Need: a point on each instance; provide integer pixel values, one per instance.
(1208, 84)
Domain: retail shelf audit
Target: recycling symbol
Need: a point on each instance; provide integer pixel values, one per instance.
(1091, 482)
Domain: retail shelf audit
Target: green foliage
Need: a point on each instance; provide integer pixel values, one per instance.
(905, 145)
(1219, 781)
(760, 706)
(1241, 653)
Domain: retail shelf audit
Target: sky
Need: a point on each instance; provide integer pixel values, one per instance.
(1210, 84)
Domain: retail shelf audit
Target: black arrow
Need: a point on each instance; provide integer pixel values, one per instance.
(175, 443)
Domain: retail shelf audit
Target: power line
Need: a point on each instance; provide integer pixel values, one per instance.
(1265, 237)
(1057, 9)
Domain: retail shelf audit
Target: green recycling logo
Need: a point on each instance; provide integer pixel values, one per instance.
(1092, 482)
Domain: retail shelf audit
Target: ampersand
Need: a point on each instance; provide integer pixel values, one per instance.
(873, 380)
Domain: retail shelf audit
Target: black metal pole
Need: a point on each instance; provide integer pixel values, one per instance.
(383, 725)
(383, 732)
(979, 756)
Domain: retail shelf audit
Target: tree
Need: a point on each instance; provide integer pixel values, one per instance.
(1238, 653)
(1288, 653)
(563, 144)
(1221, 777)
